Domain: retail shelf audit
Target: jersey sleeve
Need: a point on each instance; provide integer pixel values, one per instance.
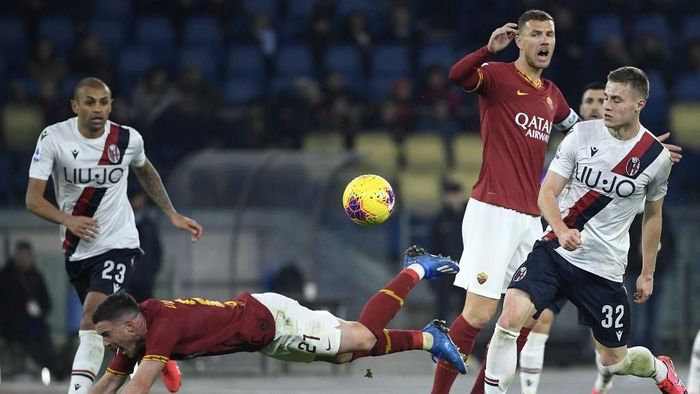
(564, 161)
(43, 157)
(659, 184)
(121, 365)
(139, 150)
(468, 72)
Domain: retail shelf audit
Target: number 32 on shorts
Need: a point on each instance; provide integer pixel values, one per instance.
(612, 315)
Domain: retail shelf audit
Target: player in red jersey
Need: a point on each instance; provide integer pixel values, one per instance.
(519, 110)
(156, 331)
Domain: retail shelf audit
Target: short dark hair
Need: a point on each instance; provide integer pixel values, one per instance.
(115, 307)
(594, 86)
(533, 15)
(632, 76)
(89, 81)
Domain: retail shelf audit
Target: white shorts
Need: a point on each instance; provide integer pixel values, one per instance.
(301, 335)
(496, 241)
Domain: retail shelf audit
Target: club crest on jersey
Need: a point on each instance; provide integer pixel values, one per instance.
(519, 274)
(550, 103)
(113, 153)
(482, 277)
(632, 167)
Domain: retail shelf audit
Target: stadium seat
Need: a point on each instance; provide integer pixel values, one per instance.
(687, 87)
(60, 32)
(391, 59)
(600, 27)
(344, 58)
(419, 190)
(113, 9)
(269, 7)
(295, 61)
(685, 118)
(344, 7)
(439, 53)
(655, 114)
(207, 60)
(157, 34)
(380, 88)
(202, 31)
(464, 177)
(244, 61)
(690, 28)
(131, 64)
(22, 123)
(112, 34)
(239, 91)
(302, 9)
(467, 151)
(323, 141)
(655, 24)
(425, 151)
(378, 151)
(13, 41)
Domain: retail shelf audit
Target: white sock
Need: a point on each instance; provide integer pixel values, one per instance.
(603, 382)
(639, 362)
(418, 268)
(694, 372)
(87, 362)
(501, 361)
(531, 360)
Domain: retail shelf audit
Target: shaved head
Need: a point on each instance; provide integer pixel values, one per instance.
(92, 82)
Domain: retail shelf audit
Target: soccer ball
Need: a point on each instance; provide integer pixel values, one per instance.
(368, 200)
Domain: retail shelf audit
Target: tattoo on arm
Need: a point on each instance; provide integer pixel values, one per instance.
(153, 185)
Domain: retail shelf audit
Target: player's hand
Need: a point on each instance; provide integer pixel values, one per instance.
(675, 150)
(570, 239)
(645, 286)
(83, 227)
(501, 37)
(190, 225)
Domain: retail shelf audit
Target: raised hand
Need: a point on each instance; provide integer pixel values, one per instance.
(501, 37)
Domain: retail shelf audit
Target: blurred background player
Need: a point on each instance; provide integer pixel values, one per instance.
(24, 308)
(580, 256)
(88, 157)
(446, 239)
(501, 221)
(149, 263)
(271, 323)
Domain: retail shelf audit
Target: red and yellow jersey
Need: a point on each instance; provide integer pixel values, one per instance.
(192, 327)
(517, 118)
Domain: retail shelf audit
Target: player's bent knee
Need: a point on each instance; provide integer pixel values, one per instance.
(479, 310)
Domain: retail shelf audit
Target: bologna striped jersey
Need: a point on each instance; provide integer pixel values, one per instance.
(608, 181)
(90, 179)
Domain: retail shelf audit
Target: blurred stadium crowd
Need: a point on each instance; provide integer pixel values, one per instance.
(258, 74)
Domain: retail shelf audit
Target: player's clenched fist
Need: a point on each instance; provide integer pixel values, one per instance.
(501, 37)
(570, 239)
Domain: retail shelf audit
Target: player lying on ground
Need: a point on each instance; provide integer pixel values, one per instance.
(156, 331)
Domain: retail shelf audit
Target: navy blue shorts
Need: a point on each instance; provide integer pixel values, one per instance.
(602, 304)
(558, 306)
(106, 273)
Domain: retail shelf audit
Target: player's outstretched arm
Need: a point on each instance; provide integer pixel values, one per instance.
(82, 226)
(153, 185)
(676, 151)
(108, 384)
(144, 377)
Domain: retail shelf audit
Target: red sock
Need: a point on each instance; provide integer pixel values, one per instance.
(393, 341)
(478, 387)
(464, 336)
(384, 305)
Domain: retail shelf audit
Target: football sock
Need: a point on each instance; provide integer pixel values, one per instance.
(393, 341)
(478, 387)
(694, 371)
(603, 382)
(531, 361)
(464, 336)
(501, 360)
(384, 305)
(639, 362)
(87, 362)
